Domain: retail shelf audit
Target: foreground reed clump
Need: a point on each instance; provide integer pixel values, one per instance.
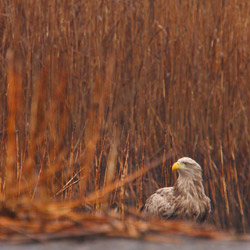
(98, 99)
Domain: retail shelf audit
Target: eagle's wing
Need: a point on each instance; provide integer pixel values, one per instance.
(161, 203)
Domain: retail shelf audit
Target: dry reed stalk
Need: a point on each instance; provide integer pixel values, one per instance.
(69, 171)
(47, 173)
(36, 186)
(18, 167)
(123, 177)
(95, 119)
(117, 193)
(224, 183)
(98, 167)
(91, 135)
(164, 165)
(235, 175)
(137, 166)
(111, 162)
(1, 174)
(212, 184)
(37, 127)
(98, 176)
(142, 176)
(57, 125)
(14, 98)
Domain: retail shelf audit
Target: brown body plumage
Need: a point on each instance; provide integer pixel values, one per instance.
(186, 199)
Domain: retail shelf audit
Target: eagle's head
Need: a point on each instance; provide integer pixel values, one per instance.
(187, 167)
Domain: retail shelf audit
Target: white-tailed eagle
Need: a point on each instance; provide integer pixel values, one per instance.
(186, 199)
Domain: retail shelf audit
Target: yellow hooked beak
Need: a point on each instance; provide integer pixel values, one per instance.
(177, 166)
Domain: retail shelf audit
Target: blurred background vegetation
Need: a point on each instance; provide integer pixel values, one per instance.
(93, 91)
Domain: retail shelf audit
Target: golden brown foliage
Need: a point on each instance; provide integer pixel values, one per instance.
(89, 86)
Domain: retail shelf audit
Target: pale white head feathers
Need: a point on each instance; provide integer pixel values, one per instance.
(187, 167)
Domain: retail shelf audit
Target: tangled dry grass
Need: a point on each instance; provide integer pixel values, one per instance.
(39, 223)
(98, 98)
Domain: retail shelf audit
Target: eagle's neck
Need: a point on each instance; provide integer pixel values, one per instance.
(186, 186)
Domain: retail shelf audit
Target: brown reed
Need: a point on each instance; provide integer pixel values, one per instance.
(93, 91)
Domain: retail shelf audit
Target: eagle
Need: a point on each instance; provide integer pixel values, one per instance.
(186, 200)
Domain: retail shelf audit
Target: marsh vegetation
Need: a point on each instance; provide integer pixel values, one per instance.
(99, 98)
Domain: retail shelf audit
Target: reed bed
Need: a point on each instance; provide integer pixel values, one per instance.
(99, 98)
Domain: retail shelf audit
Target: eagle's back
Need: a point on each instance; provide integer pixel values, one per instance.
(161, 203)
